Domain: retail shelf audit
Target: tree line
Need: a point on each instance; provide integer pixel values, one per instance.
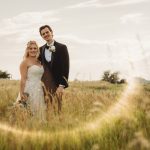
(112, 77)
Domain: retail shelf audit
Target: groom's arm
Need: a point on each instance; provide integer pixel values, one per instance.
(64, 66)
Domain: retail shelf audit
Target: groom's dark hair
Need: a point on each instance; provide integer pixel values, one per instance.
(45, 26)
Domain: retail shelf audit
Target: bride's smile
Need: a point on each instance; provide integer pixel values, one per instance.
(33, 50)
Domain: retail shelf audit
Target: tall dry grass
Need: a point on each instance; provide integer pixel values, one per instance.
(81, 103)
(89, 121)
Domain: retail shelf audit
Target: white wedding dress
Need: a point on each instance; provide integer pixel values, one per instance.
(34, 88)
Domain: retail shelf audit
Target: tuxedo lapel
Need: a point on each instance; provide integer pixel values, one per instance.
(43, 53)
(54, 53)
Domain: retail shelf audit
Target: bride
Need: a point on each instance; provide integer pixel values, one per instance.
(31, 72)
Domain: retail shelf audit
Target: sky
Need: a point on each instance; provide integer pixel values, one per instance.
(100, 34)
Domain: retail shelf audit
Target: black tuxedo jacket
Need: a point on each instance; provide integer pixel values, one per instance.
(59, 63)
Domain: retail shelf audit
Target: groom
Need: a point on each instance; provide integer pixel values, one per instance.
(55, 59)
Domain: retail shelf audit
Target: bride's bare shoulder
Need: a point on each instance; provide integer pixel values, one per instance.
(24, 63)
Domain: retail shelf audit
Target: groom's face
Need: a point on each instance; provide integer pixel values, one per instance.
(47, 35)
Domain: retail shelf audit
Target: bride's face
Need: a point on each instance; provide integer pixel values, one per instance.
(32, 50)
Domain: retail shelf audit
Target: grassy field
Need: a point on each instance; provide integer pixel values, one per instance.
(95, 116)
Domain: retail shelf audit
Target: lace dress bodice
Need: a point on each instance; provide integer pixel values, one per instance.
(35, 73)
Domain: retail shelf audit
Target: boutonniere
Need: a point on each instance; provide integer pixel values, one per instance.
(52, 48)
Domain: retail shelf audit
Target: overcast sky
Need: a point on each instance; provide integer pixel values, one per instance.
(100, 34)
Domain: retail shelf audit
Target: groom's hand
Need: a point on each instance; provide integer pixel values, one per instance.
(60, 90)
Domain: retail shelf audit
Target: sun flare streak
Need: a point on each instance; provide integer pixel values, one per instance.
(117, 109)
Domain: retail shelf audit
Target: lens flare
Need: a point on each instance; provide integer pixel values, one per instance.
(117, 109)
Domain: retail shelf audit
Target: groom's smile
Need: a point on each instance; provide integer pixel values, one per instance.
(47, 35)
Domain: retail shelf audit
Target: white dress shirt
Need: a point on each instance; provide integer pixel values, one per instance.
(48, 53)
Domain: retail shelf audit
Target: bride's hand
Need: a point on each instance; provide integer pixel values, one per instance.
(24, 97)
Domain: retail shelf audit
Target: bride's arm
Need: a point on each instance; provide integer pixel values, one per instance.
(23, 73)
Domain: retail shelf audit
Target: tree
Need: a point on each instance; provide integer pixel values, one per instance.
(4, 75)
(106, 76)
(122, 81)
(112, 77)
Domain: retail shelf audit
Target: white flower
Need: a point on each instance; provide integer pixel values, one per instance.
(52, 48)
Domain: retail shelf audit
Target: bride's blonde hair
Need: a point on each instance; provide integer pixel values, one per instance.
(27, 48)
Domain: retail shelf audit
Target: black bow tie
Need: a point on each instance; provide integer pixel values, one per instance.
(47, 47)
